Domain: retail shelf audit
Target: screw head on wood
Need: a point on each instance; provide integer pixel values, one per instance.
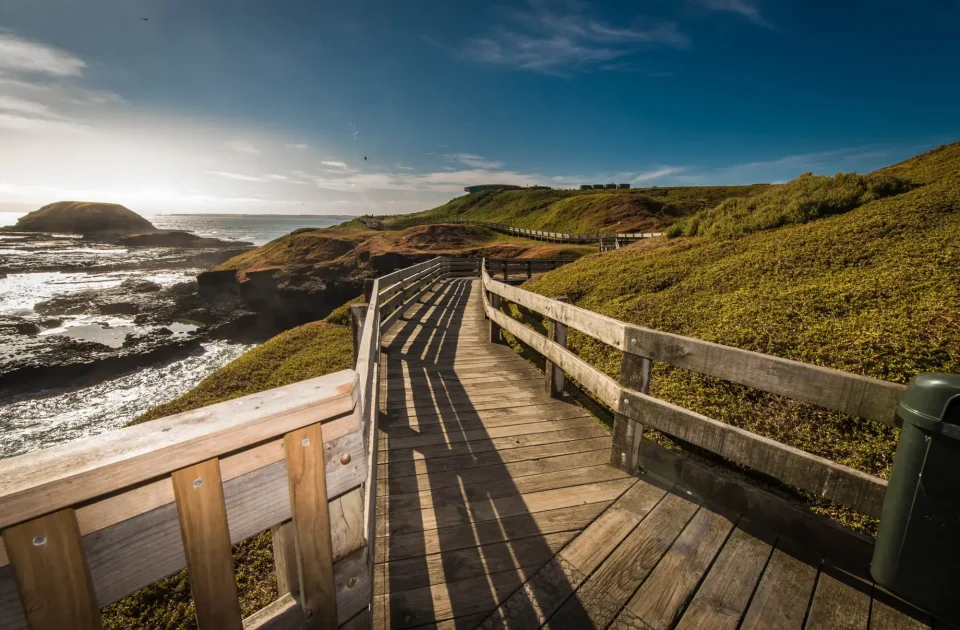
(345, 459)
(198, 482)
(352, 582)
(305, 442)
(39, 541)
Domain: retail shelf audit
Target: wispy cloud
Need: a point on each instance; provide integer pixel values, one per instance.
(560, 44)
(242, 146)
(743, 8)
(429, 40)
(296, 146)
(23, 55)
(657, 174)
(335, 164)
(476, 161)
(271, 177)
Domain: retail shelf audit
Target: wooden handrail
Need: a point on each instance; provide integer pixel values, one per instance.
(841, 391)
(101, 517)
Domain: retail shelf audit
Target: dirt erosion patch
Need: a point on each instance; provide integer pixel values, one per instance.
(444, 237)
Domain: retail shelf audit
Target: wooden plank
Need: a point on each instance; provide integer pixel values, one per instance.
(64, 475)
(510, 528)
(839, 601)
(53, 582)
(496, 473)
(491, 417)
(784, 592)
(847, 393)
(405, 609)
(501, 445)
(891, 613)
(542, 595)
(825, 478)
(451, 401)
(311, 520)
(407, 522)
(602, 386)
(455, 425)
(662, 596)
(852, 394)
(627, 432)
(492, 458)
(557, 333)
(453, 565)
(725, 592)
(285, 558)
(849, 548)
(466, 493)
(603, 595)
(477, 435)
(206, 542)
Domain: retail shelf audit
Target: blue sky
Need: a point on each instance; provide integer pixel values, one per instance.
(253, 106)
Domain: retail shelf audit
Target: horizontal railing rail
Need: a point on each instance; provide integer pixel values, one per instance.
(89, 522)
(563, 237)
(633, 408)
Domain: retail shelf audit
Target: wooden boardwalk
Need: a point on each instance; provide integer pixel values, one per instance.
(497, 509)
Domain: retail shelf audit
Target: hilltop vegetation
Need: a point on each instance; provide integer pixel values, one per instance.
(806, 198)
(579, 211)
(874, 291)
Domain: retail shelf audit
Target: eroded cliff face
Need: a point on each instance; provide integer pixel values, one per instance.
(308, 273)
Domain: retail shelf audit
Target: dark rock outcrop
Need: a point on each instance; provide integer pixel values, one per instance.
(82, 217)
(175, 238)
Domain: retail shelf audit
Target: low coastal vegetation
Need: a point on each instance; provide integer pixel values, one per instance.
(874, 291)
(806, 198)
(579, 211)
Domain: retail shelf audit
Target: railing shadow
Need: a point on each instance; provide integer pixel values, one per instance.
(468, 532)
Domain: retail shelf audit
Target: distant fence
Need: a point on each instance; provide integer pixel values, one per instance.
(606, 242)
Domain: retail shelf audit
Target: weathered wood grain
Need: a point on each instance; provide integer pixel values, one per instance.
(285, 558)
(311, 521)
(51, 574)
(64, 475)
(206, 542)
(821, 476)
(839, 601)
(784, 592)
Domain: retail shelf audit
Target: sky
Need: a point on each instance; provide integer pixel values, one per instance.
(380, 107)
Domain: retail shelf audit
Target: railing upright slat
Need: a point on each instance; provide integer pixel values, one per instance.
(206, 543)
(56, 590)
(311, 522)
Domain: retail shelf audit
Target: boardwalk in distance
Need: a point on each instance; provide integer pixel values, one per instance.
(497, 508)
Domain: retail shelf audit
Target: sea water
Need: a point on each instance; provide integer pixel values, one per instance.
(40, 420)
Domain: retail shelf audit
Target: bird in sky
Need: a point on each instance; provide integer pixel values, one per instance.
(364, 158)
(145, 19)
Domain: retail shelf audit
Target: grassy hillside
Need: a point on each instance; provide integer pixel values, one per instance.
(298, 354)
(874, 291)
(83, 217)
(345, 250)
(579, 211)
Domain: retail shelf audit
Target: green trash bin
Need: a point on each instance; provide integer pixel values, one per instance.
(917, 553)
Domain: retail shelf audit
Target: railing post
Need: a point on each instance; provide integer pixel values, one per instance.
(368, 290)
(285, 558)
(358, 313)
(627, 433)
(529, 270)
(505, 279)
(496, 333)
(198, 491)
(556, 332)
(51, 572)
(311, 523)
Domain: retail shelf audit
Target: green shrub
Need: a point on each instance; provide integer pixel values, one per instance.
(804, 199)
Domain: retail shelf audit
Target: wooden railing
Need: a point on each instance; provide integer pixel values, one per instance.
(562, 237)
(634, 408)
(88, 522)
(524, 267)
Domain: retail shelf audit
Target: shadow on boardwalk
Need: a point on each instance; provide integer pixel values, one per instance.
(486, 477)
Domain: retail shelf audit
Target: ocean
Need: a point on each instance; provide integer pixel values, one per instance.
(252, 228)
(40, 420)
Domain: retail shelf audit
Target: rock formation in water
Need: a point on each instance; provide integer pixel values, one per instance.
(82, 217)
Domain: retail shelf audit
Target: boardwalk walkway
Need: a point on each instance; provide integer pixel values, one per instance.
(497, 508)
